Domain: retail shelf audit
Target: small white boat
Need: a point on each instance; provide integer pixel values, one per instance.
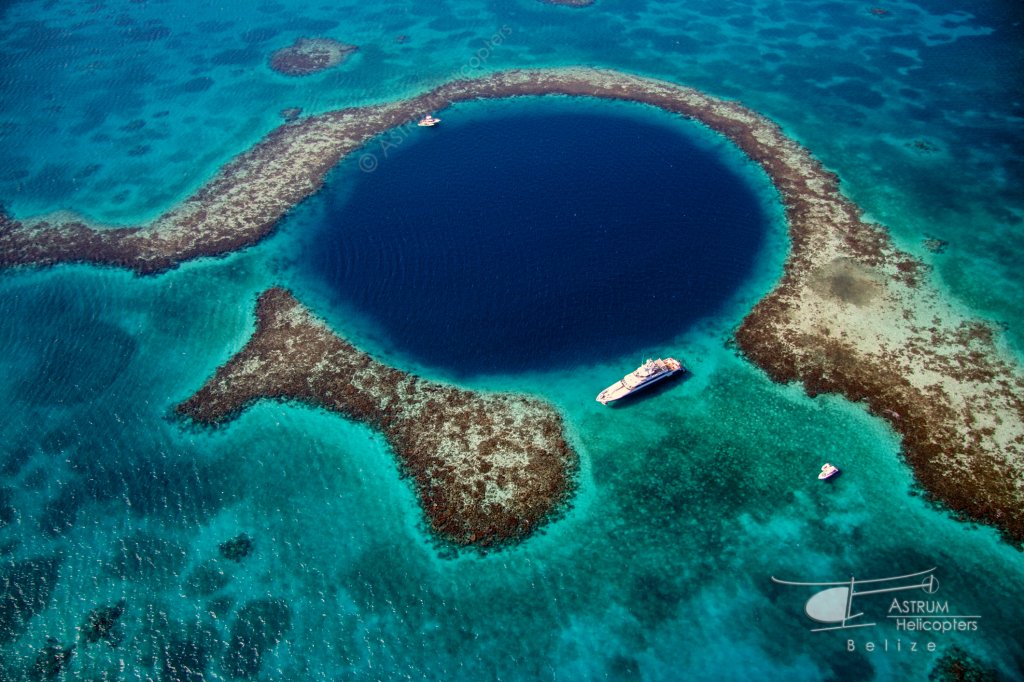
(428, 121)
(828, 471)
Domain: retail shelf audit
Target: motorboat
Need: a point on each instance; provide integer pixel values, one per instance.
(645, 375)
(828, 471)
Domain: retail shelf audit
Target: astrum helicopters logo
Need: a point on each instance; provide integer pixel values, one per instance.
(833, 606)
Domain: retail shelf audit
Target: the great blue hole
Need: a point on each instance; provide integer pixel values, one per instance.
(536, 236)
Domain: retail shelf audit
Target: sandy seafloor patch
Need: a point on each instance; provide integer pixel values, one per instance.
(688, 501)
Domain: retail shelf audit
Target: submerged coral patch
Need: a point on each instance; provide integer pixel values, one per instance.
(100, 624)
(488, 468)
(309, 55)
(51, 660)
(941, 379)
(237, 548)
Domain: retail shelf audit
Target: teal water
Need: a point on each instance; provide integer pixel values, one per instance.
(688, 501)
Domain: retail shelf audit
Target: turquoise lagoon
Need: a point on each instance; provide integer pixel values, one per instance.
(689, 500)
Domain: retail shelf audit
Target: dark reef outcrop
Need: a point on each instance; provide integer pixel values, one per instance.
(957, 665)
(487, 468)
(100, 624)
(237, 548)
(852, 314)
(309, 55)
(291, 114)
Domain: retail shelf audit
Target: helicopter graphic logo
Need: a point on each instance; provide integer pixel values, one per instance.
(833, 606)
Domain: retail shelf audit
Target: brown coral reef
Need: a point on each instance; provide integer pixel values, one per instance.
(309, 55)
(851, 315)
(487, 467)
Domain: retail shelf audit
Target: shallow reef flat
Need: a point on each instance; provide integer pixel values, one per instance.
(488, 467)
(852, 314)
(245, 200)
(860, 319)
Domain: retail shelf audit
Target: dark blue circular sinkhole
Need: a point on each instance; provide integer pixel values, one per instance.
(533, 237)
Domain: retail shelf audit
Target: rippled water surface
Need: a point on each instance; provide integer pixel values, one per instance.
(539, 234)
(285, 545)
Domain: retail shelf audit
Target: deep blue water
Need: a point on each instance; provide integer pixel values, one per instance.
(688, 501)
(538, 238)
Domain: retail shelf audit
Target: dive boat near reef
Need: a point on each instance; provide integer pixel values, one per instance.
(428, 121)
(647, 374)
(828, 471)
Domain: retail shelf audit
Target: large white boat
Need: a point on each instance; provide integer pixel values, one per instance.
(645, 375)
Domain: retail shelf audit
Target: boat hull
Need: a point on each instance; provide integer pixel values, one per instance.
(618, 391)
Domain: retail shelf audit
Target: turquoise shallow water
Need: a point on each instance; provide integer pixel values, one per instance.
(688, 500)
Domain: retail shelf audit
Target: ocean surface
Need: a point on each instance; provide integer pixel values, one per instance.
(497, 251)
(537, 234)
